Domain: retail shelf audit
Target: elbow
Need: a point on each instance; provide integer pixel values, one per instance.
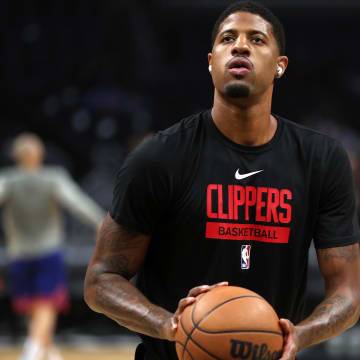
(356, 298)
(357, 311)
(90, 290)
(354, 319)
(355, 308)
(88, 298)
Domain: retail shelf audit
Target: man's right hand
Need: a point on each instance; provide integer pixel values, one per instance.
(170, 327)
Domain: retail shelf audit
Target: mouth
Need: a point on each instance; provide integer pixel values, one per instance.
(239, 66)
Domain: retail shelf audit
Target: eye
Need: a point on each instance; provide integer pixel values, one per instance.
(227, 38)
(257, 40)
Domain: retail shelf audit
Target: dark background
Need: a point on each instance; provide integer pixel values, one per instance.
(93, 77)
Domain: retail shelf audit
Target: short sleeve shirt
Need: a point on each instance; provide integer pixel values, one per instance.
(220, 211)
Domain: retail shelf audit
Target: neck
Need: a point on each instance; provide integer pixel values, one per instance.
(245, 121)
(29, 166)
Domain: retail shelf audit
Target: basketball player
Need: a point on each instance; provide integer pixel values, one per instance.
(32, 196)
(189, 199)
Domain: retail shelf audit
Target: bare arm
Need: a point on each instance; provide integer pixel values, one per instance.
(118, 255)
(340, 268)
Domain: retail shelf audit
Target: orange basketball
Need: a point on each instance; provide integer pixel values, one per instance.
(229, 322)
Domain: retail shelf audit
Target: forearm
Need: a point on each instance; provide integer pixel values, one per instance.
(115, 297)
(330, 318)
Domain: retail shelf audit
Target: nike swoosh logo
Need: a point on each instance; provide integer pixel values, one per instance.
(239, 176)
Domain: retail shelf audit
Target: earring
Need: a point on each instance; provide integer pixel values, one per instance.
(279, 70)
(210, 68)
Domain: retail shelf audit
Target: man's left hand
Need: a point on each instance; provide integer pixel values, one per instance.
(291, 340)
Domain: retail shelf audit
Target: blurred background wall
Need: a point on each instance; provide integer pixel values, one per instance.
(92, 78)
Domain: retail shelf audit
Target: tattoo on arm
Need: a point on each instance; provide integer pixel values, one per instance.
(118, 256)
(120, 250)
(120, 262)
(330, 318)
(115, 236)
(346, 253)
(339, 311)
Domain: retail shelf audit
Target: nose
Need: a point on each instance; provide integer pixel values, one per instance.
(240, 47)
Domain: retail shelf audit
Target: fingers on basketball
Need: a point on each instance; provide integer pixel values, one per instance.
(227, 323)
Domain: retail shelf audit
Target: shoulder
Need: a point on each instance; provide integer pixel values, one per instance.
(180, 135)
(54, 170)
(12, 174)
(8, 176)
(8, 172)
(311, 140)
(185, 125)
(168, 146)
(54, 174)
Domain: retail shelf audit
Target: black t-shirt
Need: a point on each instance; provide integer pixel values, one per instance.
(219, 211)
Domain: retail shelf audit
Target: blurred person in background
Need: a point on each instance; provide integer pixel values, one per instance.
(33, 196)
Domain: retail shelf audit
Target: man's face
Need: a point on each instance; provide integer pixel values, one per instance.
(245, 56)
(31, 154)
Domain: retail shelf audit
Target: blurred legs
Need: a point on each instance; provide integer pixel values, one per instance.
(42, 323)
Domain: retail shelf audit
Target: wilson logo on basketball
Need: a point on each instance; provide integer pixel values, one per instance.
(247, 350)
(246, 203)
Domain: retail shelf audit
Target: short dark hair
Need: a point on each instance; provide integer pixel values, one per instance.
(253, 8)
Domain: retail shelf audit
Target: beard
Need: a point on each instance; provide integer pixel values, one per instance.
(237, 90)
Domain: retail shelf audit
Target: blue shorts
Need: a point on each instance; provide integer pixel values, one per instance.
(39, 279)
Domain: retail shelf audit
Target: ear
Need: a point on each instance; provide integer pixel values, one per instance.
(281, 65)
(210, 58)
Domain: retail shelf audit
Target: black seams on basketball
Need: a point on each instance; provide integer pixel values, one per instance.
(229, 322)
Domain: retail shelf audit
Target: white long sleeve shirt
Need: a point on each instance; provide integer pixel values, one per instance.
(32, 209)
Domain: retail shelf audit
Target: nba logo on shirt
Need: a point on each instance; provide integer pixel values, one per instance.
(245, 257)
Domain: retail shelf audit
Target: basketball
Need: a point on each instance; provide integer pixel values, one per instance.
(229, 322)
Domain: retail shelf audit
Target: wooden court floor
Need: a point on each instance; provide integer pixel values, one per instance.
(75, 353)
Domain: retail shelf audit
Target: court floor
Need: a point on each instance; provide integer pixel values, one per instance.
(75, 353)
